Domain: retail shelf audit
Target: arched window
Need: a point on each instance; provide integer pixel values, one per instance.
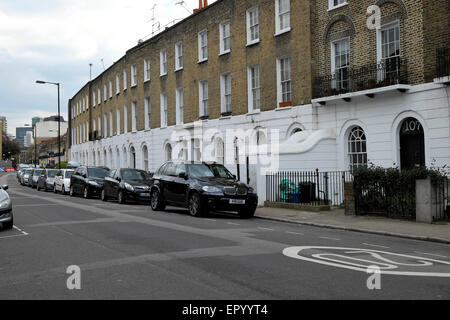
(219, 150)
(145, 158)
(132, 158)
(111, 159)
(125, 160)
(168, 152)
(357, 148)
(93, 158)
(117, 159)
(296, 130)
(105, 163)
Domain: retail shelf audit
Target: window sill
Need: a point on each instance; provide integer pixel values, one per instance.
(224, 53)
(163, 127)
(280, 32)
(225, 117)
(179, 69)
(204, 117)
(283, 108)
(249, 44)
(201, 61)
(338, 6)
(163, 75)
(148, 80)
(254, 112)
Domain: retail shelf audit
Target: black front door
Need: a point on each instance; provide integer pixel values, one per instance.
(412, 144)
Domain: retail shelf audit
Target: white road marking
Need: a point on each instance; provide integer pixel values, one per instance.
(233, 224)
(21, 231)
(297, 233)
(211, 220)
(327, 238)
(375, 245)
(14, 236)
(267, 229)
(430, 254)
(36, 205)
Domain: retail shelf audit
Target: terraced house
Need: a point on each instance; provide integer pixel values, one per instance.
(333, 85)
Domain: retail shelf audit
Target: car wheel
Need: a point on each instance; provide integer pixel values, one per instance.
(196, 208)
(86, 193)
(8, 225)
(103, 195)
(156, 202)
(121, 198)
(63, 190)
(71, 192)
(247, 213)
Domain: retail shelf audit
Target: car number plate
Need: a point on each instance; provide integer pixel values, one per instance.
(145, 194)
(237, 201)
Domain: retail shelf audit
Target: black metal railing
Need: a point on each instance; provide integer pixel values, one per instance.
(389, 72)
(307, 187)
(441, 199)
(443, 62)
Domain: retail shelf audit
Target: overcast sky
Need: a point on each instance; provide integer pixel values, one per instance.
(55, 40)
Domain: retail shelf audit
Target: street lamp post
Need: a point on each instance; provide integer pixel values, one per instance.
(59, 120)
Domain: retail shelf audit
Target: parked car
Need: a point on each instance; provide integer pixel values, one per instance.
(126, 184)
(46, 180)
(88, 181)
(26, 177)
(62, 181)
(196, 186)
(19, 174)
(6, 215)
(35, 177)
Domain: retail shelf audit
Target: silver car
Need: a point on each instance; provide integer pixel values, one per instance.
(26, 177)
(6, 215)
(35, 177)
(62, 181)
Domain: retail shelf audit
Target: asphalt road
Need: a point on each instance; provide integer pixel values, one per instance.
(131, 252)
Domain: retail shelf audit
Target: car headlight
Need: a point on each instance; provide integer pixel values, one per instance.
(251, 190)
(211, 189)
(94, 183)
(5, 203)
(128, 186)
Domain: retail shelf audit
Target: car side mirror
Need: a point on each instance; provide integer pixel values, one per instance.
(118, 179)
(234, 177)
(5, 187)
(183, 175)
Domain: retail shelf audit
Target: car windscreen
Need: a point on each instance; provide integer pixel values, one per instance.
(97, 172)
(200, 171)
(68, 174)
(38, 172)
(134, 175)
(51, 173)
(28, 171)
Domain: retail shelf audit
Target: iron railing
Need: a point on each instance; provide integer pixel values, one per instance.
(443, 62)
(389, 72)
(441, 199)
(307, 187)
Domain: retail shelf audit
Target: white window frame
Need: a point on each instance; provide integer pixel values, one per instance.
(279, 84)
(333, 60)
(125, 119)
(163, 63)
(147, 113)
(110, 89)
(381, 75)
(111, 132)
(251, 105)
(224, 78)
(146, 69)
(133, 116)
(118, 121)
(202, 100)
(353, 153)
(278, 29)
(163, 107)
(179, 102)
(133, 73)
(332, 6)
(179, 56)
(104, 93)
(124, 79)
(87, 102)
(105, 125)
(201, 57)
(99, 124)
(93, 99)
(117, 84)
(222, 38)
(255, 11)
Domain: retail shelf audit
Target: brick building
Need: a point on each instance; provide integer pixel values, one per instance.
(308, 76)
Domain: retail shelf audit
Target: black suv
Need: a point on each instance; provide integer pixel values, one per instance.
(201, 187)
(126, 184)
(88, 181)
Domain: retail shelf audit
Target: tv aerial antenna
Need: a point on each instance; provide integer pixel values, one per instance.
(153, 19)
(183, 4)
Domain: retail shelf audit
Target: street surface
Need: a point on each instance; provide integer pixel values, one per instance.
(130, 252)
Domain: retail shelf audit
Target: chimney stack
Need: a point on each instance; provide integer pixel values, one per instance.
(201, 5)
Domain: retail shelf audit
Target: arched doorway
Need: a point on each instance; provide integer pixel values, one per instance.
(145, 158)
(412, 144)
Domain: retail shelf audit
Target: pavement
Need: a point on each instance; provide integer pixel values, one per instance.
(336, 219)
(131, 252)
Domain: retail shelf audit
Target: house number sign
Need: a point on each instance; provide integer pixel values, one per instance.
(411, 126)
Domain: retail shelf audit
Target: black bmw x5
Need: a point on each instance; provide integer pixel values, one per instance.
(201, 187)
